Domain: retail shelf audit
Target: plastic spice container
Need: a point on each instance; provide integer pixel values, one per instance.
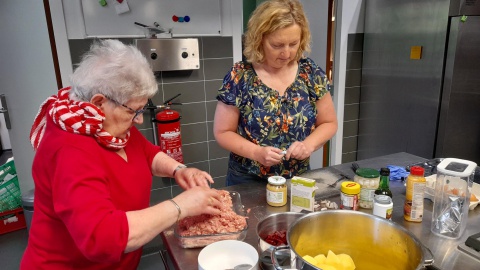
(383, 206)
(369, 180)
(349, 196)
(277, 191)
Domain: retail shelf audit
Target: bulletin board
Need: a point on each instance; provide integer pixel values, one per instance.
(204, 16)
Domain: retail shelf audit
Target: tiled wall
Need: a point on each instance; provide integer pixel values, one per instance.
(198, 90)
(352, 97)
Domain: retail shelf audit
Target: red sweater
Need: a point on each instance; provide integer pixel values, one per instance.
(82, 192)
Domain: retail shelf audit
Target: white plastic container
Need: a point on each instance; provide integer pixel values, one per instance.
(383, 206)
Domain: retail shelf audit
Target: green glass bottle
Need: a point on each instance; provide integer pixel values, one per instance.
(384, 188)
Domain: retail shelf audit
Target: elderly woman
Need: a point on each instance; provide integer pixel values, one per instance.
(93, 169)
(274, 110)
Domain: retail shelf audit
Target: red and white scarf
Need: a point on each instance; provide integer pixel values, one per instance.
(77, 117)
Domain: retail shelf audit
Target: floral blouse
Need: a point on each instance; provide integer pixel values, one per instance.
(268, 119)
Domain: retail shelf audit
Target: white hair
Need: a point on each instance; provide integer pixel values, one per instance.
(115, 70)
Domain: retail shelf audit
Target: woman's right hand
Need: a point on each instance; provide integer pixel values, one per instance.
(269, 156)
(198, 200)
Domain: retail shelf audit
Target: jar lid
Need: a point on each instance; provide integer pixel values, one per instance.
(349, 187)
(417, 170)
(456, 167)
(276, 180)
(383, 199)
(367, 173)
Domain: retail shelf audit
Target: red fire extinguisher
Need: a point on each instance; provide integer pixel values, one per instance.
(169, 136)
(168, 128)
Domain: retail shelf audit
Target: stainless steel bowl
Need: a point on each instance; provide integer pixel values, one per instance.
(268, 225)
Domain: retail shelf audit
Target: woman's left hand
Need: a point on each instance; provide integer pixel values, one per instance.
(191, 177)
(298, 150)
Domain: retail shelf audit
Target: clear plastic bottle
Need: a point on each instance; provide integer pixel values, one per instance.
(415, 192)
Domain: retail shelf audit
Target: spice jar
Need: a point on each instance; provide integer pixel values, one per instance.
(277, 191)
(369, 180)
(349, 196)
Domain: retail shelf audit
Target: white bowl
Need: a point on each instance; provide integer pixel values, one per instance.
(227, 254)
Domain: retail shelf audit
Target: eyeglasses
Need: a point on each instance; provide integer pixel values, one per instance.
(137, 112)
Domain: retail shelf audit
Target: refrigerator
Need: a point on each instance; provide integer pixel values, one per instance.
(420, 90)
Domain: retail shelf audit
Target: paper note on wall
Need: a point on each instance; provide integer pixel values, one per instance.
(416, 52)
(121, 7)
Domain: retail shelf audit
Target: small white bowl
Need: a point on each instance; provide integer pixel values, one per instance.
(227, 254)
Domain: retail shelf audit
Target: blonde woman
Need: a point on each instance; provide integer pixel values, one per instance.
(274, 110)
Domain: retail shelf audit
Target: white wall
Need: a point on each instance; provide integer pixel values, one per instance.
(5, 138)
(91, 20)
(317, 15)
(68, 23)
(349, 19)
(27, 75)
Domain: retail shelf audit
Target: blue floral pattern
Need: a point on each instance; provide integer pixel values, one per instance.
(268, 119)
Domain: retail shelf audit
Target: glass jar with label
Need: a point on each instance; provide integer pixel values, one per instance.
(369, 180)
(277, 191)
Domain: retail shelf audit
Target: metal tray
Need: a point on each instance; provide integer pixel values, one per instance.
(196, 241)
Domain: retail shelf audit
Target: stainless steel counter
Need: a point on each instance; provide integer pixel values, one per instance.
(446, 252)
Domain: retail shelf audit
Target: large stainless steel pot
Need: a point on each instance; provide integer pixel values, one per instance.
(372, 242)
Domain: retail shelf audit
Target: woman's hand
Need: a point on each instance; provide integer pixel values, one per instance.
(268, 156)
(198, 200)
(298, 150)
(145, 224)
(188, 178)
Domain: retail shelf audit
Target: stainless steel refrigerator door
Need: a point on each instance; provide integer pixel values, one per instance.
(400, 96)
(459, 123)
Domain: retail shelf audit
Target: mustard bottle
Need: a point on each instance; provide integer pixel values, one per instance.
(277, 191)
(415, 192)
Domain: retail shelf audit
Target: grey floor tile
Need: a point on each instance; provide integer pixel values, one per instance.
(152, 261)
(12, 246)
